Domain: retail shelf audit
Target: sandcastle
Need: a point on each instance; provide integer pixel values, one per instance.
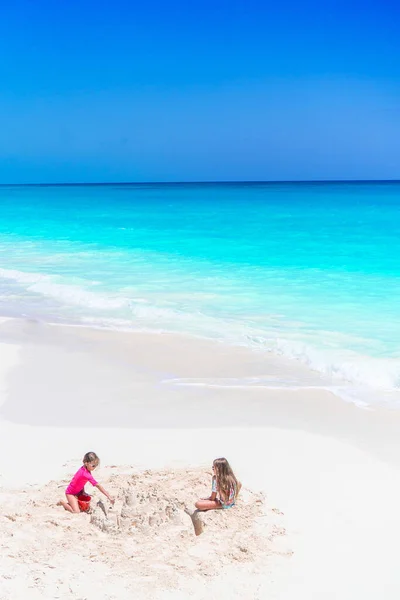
(153, 507)
(140, 511)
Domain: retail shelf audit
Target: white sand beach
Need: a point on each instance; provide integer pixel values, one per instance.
(318, 516)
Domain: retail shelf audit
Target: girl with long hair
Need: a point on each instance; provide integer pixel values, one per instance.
(224, 489)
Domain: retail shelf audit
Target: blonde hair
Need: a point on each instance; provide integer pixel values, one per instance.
(226, 480)
(91, 457)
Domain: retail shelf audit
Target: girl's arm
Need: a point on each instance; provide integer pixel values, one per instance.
(213, 490)
(103, 491)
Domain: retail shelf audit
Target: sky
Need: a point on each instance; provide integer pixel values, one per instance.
(99, 91)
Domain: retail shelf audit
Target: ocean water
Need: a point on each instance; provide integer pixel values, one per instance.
(309, 271)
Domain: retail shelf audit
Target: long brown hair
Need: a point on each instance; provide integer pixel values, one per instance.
(226, 479)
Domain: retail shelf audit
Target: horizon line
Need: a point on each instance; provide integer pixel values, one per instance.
(221, 182)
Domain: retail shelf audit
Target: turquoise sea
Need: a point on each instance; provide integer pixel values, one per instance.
(307, 270)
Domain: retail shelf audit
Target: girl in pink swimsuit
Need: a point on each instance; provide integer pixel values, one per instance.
(77, 485)
(225, 487)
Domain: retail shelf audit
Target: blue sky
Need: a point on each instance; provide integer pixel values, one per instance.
(181, 91)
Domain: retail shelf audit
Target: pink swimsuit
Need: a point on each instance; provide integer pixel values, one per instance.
(78, 481)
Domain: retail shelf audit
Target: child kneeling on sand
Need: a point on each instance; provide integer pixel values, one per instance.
(225, 487)
(77, 486)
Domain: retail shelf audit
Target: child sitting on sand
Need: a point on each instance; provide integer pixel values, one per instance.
(225, 487)
(77, 485)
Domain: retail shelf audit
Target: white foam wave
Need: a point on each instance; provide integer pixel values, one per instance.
(349, 394)
(271, 383)
(65, 293)
(21, 276)
(128, 312)
(380, 373)
(74, 294)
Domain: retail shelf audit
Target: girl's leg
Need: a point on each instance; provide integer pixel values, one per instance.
(202, 505)
(71, 505)
(207, 504)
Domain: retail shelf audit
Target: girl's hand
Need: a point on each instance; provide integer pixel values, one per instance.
(112, 500)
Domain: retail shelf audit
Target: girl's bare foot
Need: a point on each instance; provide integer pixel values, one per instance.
(197, 523)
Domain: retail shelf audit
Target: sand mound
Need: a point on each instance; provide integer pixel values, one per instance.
(145, 543)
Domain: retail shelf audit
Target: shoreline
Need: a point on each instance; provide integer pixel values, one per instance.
(330, 467)
(294, 373)
(102, 370)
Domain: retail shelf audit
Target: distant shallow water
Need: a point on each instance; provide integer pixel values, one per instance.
(309, 271)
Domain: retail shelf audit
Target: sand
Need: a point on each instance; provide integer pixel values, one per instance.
(318, 517)
(143, 545)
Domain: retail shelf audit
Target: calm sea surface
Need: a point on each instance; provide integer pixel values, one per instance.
(311, 271)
